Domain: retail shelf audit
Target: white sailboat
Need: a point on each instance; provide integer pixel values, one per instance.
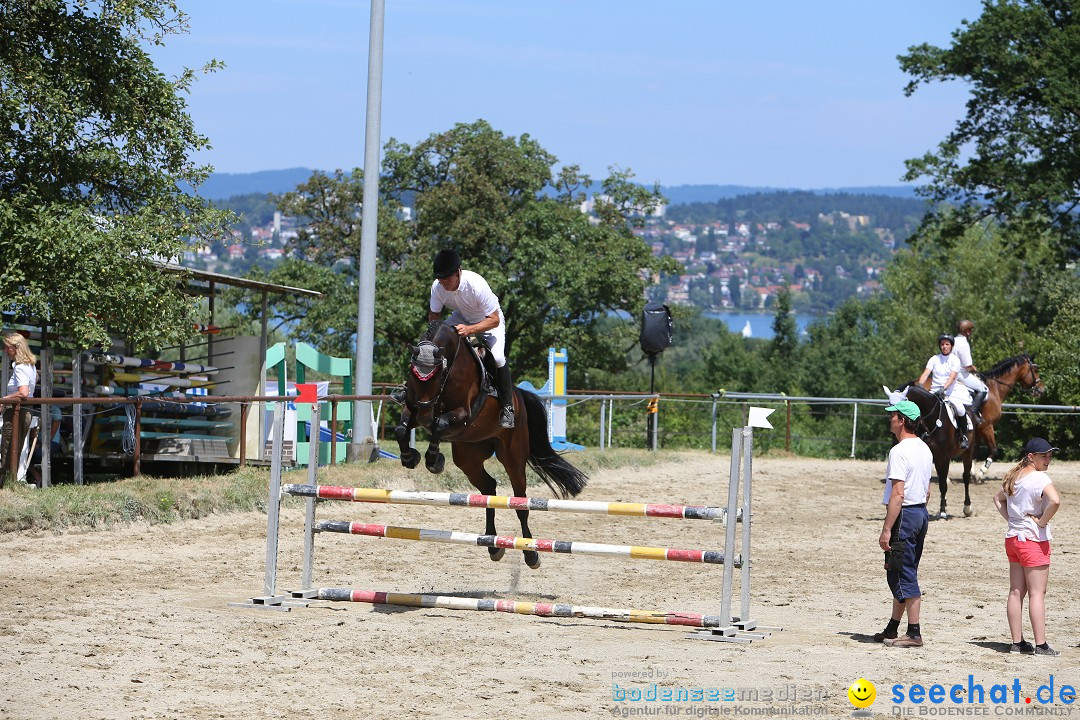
(746, 331)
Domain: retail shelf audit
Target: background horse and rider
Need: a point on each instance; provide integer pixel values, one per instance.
(449, 394)
(943, 436)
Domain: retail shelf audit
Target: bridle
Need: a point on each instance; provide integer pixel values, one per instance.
(444, 365)
(1032, 371)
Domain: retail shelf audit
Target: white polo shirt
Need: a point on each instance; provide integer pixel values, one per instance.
(473, 300)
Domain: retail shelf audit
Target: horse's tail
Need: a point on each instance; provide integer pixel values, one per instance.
(563, 478)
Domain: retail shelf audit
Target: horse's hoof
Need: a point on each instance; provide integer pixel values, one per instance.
(496, 554)
(411, 458)
(436, 465)
(968, 512)
(532, 560)
(944, 515)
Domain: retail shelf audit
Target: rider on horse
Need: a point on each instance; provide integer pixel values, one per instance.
(474, 310)
(943, 370)
(968, 376)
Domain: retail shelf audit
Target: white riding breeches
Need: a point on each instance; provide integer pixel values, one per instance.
(972, 381)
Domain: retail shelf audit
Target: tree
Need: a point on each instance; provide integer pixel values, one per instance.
(1015, 155)
(93, 143)
(557, 271)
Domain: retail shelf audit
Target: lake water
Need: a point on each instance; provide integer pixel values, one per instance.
(760, 323)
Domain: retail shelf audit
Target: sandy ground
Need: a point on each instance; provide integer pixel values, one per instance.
(136, 622)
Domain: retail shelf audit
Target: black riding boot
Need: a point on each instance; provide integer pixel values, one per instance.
(505, 389)
(977, 403)
(965, 438)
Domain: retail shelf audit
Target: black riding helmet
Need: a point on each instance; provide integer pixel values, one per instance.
(946, 336)
(446, 263)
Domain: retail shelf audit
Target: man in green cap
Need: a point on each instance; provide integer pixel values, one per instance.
(907, 487)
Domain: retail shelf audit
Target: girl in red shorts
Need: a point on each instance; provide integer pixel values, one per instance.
(1028, 499)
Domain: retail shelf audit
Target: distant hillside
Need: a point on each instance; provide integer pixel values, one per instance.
(685, 194)
(220, 186)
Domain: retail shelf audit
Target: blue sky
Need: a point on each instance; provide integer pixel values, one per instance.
(780, 93)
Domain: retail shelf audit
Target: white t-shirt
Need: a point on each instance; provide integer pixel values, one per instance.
(941, 367)
(22, 374)
(1027, 500)
(910, 460)
(962, 352)
(473, 299)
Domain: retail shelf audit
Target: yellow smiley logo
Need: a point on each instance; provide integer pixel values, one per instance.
(862, 693)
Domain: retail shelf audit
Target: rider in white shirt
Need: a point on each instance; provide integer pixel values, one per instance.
(475, 310)
(943, 370)
(968, 376)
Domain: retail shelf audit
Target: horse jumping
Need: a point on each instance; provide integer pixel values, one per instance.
(445, 395)
(944, 439)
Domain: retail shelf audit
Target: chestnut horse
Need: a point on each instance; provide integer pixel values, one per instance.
(445, 394)
(944, 439)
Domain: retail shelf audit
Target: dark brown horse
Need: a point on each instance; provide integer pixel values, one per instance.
(445, 394)
(944, 439)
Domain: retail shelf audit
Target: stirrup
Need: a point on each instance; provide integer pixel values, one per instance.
(506, 417)
(964, 442)
(398, 395)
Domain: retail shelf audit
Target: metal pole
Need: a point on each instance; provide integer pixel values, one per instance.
(854, 425)
(76, 415)
(45, 422)
(309, 511)
(273, 504)
(610, 419)
(729, 526)
(364, 445)
(603, 408)
(787, 429)
(713, 446)
(745, 622)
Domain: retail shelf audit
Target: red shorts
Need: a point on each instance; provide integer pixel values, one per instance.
(1029, 553)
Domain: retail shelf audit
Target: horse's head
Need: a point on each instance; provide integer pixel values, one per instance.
(928, 403)
(427, 370)
(429, 366)
(1029, 376)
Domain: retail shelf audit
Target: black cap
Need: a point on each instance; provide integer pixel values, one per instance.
(1038, 445)
(446, 263)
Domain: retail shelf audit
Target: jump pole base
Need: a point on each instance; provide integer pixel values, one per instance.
(283, 603)
(729, 634)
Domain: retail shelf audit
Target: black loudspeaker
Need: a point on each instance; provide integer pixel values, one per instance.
(656, 328)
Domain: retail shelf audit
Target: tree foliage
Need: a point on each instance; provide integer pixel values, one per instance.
(497, 200)
(1015, 154)
(93, 141)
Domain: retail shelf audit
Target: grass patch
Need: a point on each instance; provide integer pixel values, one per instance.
(165, 500)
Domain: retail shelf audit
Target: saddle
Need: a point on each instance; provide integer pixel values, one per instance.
(487, 368)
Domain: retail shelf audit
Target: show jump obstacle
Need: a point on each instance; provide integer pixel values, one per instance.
(722, 627)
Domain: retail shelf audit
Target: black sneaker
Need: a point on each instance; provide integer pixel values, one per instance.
(885, 635)
(506, 417)
(1023, 647)
(1046, 650)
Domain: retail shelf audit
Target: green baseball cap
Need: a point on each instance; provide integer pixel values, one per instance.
(906, 408)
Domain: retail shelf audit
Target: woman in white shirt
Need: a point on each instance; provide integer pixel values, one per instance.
(20, 385)
(1028, 499)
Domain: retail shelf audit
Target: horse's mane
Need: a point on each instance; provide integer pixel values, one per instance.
(1005, 365)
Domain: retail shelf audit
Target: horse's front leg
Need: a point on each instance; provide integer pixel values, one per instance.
(434, 460)
(967, 483)
(943, 485)
(410, 456)
(444, 422)
(991, 455)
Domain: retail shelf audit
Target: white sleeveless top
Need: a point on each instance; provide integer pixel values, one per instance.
(1028, 500)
